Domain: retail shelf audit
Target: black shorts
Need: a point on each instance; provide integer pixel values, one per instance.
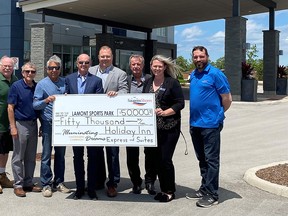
(6, 142)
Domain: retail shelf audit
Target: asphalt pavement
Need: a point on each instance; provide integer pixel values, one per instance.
(254, 134)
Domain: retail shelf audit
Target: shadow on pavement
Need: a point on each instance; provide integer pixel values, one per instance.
(227, 195)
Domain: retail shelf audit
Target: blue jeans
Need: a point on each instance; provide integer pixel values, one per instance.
(206, 142)
(59, 158)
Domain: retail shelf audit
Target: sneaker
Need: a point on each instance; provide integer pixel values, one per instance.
(207, 201)
(47, 191)
(194, 195)
(5, 181)
(62, 188)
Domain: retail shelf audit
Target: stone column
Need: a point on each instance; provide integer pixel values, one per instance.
(41, 47)
(270, 61)
(235, 52)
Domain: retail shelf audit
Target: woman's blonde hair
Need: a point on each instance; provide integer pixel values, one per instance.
(171, 68)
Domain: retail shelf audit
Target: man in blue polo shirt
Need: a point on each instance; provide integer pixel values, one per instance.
(210, 97)
(24, 130)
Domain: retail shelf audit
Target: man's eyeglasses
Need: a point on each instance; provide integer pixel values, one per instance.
(84, 62)
(30, 71)
(53, 67)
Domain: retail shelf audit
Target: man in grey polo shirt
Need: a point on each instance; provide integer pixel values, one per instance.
(135, 85)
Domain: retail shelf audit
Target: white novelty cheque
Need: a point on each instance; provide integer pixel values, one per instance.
(100, 120)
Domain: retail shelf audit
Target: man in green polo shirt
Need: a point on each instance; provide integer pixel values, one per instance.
(6, 143)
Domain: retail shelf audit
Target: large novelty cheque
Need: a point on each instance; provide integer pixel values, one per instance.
(100, 120)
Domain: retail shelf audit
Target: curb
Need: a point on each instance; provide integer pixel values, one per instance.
(261, 101)
(251, 178)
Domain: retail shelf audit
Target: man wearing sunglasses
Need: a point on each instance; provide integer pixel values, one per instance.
(44, 97)
(114, 81)
(82, 82)
(6, 143)
(24, 131)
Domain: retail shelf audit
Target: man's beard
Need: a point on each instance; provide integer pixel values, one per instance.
(200, 65)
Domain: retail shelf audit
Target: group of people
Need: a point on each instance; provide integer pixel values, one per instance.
(24, 101)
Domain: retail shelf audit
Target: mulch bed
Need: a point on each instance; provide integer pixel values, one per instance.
(276, 174)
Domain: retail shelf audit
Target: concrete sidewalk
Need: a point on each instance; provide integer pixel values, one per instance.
(254, 134)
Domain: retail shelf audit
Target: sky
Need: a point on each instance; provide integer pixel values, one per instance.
(211, 34)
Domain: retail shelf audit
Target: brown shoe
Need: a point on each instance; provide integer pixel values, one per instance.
(19, 192)
(111, 192)
(33, 188)
(1, 190)
(5, 182)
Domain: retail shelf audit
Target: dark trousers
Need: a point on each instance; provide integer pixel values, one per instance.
(79, 167)
(112, 158)
(100, 169)
(158, 161)
(206, 142)
(151, 164)
(133, 165)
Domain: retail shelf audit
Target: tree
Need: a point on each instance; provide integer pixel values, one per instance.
(256, 63)
(219, 63)
(184, 64)
(258, 66)
(252, 55)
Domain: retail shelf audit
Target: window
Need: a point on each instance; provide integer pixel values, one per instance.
(69, 54)
(27, 51)
(161, 32)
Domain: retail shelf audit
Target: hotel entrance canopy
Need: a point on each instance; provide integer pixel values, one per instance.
(144, 15)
